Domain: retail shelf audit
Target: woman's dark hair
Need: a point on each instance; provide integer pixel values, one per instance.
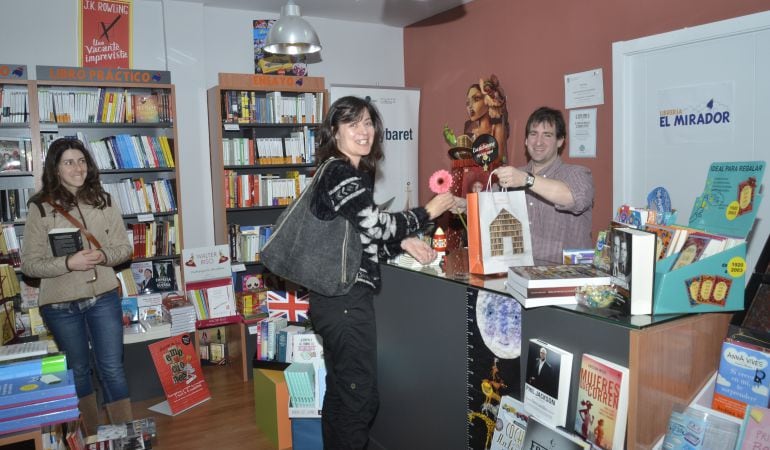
(90, 193)
(550, 116)
(348, 110)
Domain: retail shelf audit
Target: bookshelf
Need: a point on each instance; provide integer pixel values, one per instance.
(18, 172)
(261, 130)
(125, 117)
(127, 120)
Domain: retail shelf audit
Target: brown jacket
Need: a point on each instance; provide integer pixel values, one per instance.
(59, 284)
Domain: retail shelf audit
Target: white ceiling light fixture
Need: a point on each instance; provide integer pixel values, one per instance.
(291, 34)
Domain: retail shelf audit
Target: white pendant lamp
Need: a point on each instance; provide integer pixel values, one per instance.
(291, 34)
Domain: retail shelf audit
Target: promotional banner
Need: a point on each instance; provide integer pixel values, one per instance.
(180, 373)
(105, 33)
(396, 184)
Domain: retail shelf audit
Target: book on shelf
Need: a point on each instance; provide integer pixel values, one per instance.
(13, 156)
(146, 106)
(165, 275)
(10, 352)
(36, 388)
(578, 256)
(284, 342)
(300, 380)
(742, 375)
(755, 431)
(692, 428)
(664, 237)
(144, 277)
(535, 297)
(602, 402)
(542, 435)
(68, 414)
(32, 364)
(697, 246)
(65, 241)
(510, 425)
(633, 269)
(307, 347)
(560, 275)
(37, 408)
(9, 282)
(547, 383)
(130, 309)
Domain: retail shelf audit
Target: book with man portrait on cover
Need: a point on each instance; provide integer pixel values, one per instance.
(547, 384)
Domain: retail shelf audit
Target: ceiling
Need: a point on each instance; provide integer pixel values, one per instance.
(397, 13)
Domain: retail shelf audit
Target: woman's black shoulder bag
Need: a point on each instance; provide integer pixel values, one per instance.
(322, 255)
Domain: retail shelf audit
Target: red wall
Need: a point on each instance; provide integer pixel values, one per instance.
(530, 46)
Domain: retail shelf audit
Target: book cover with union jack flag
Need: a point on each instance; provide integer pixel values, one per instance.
(290, 304)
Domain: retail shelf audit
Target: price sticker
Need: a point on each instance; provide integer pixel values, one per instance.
(736, 267)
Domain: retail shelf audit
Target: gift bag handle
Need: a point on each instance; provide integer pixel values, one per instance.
(489, 183)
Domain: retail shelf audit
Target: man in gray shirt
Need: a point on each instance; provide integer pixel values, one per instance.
(560, 196)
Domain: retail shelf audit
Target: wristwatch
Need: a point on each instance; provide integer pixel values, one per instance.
(530, 181)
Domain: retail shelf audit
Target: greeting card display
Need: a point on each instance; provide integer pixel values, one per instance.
(725, 213)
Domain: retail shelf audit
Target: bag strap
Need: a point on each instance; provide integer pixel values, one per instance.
(91, 238)
(489, 182)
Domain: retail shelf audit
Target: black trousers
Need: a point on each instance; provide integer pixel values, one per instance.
(349, 332)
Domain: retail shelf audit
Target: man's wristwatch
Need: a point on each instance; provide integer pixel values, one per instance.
(530, 181)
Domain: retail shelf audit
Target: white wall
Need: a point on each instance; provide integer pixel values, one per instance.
(200, 42)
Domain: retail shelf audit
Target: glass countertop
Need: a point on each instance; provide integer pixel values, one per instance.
(455, 269)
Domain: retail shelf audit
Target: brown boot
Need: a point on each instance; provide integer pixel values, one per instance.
(89, 412)
(120, 411)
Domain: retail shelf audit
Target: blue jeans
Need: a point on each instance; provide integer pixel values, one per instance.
(99, 321)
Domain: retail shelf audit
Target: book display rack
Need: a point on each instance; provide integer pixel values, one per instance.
(262, 144)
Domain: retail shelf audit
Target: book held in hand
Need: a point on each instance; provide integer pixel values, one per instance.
(65, 241)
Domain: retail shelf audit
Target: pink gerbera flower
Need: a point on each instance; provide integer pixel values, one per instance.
(440, 182)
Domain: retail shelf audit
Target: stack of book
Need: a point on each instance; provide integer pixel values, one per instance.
(36, 391)
(181, 312)
(135, 435)
(300, 380)
(536, 286)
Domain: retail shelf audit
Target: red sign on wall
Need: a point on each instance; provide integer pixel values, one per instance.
(105, 33)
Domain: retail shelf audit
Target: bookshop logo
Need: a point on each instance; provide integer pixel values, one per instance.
(712, 113)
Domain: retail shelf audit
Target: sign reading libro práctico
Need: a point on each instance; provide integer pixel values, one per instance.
(101, 75)
(105, 33)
